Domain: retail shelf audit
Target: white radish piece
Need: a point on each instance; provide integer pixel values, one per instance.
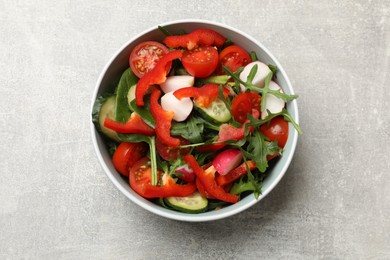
(173, 83)
(186, 173)
(259, 79)
(181, 108)
(227, 160)
(272, 103)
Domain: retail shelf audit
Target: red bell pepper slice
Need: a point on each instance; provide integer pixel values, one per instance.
(157, 75)
(169, 188)
(235, 174)
(207, 178)
(135, 125)
(163, 120)
(203, 96)
(140, 182)
(195, 38)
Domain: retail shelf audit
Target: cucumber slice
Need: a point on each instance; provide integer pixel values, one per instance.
(107, 109)
(195, 203)
(216, 112)
(131, 95)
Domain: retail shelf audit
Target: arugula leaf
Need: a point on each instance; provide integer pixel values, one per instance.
(164, 30)
(273, 68)
(263, 91)
(253, 56)
(191, 129)
(258, 149)
(245, 184)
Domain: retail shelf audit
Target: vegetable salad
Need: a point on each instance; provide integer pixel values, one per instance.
(195, 121)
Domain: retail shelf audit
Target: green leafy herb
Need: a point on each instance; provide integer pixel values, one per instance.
(122, 111)
(263, 91)
(144, 112)
(191, 129)
(273, 68)
(164, 30)
(253, 56)
(245, 184)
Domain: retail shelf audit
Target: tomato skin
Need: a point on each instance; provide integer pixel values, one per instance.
(276, 130)
(127, 154)
(234, 57)
(144, 57)
(169, 153)
(140, 181)
(243, 104)
(200, 62)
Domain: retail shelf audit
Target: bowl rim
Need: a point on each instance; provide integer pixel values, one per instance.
(201, 217)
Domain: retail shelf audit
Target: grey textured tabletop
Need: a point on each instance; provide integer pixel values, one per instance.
(56, 202)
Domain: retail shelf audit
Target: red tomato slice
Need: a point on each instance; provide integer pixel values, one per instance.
(276, 130)
(127, 154)
(141, 177)
(170, 153)
(243, 104)
(144, 56)
(200, 62)
(234, 57)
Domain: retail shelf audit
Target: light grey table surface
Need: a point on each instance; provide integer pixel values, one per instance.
(57, 203)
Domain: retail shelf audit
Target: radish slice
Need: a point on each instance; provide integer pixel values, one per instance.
(259, 79)
(173, 83)
(227, 161)
(272, 103)
(181, 108)
(186, 173)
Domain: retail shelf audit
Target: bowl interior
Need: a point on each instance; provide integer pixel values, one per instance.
(119, 62)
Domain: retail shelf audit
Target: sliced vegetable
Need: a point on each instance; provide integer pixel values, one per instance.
(234, 57)
(203, 96)
(127, 154)
(140, 181)
(261, 74)
(227, 160)
(195, 203)
(156, 76)
(236, 173)
(195, 38)
(206, 177)
(144, 57)
(135, 125)
(173, 83)
(181, 108)
(201, 61)
(163, 120)
(185, 173)
(170, 153)
(105, 108)
(215, 112)
(244, 104)
(272, 103)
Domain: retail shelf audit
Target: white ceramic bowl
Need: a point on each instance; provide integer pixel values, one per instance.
(119, 62)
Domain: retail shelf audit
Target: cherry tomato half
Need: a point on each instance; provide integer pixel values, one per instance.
(169, 153)
(127, 154)
(276, 130)
(243, 104)
(200, 62)
(234, 57)
(145, 55)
